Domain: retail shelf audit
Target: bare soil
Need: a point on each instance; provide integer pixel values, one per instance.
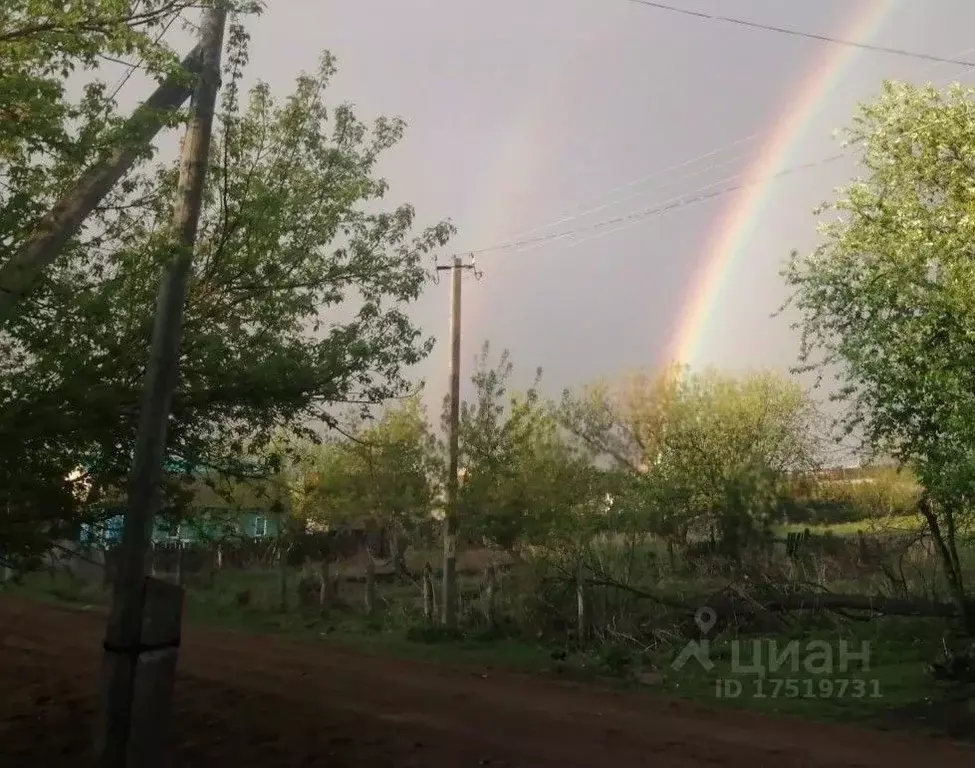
(253, 700)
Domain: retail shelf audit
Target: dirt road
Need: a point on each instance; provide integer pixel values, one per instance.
(248, 700)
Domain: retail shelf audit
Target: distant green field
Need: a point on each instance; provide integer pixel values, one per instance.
(873, 525)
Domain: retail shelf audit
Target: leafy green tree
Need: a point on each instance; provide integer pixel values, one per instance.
(380, 474)
(886, 299)
(333, 484)
(705, 454)
(45, 138)
(733, 441)
(523, 483)
(41, 44)
(399, 454)
(297, 304)
(623, 421)
(57, 113)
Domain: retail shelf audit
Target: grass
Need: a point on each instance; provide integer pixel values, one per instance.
(817, 680)
(891, 524)
(870, 525)
(894, 680)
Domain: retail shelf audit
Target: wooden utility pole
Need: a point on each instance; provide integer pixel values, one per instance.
(448, 615)
(125, 642)
(21, 271)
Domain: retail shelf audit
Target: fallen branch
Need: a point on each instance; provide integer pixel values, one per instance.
(725, 606)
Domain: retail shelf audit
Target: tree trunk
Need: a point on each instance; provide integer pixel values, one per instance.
(397, 552)
(946, 546)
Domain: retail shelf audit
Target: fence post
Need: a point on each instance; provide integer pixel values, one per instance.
(582, 612)
(325, 585)
(370, 583)
(180, 563)
(490, 596)
(283, 575)
(427, 583)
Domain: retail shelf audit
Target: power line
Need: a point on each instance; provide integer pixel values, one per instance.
(800, 33)
(519, 238)
(681, 201)
(645, 178)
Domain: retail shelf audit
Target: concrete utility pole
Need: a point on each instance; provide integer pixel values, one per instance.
(19, 274)
(138, 671)
(448, 614)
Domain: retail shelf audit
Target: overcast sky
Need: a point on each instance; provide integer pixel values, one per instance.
(525, 112)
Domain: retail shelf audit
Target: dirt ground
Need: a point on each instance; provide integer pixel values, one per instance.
(250, 700)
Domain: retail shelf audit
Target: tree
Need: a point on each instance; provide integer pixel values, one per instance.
(885, 300)
(297, 303)
(398, 457)
(332, 486)
(732, 442)
(700, 453)
(523, 482)
(41, 44)
(46, 136)
(379, 474)
(46, 139)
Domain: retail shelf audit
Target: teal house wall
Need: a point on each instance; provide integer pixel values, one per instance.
(204, 525)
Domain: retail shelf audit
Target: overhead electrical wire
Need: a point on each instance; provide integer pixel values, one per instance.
(800, 33)
(681, 201)
(522, 242)
(648, 177)
(699, 195)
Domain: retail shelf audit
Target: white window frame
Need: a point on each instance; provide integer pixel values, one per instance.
(263, 530)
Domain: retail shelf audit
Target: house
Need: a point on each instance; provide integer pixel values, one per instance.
(241, 509)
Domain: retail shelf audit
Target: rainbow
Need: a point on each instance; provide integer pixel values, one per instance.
(738, 222)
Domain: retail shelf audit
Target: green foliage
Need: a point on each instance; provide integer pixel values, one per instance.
(297, 303)
(701, 454)
(46, 138)
(888, 493)
(42, 44)
(401, 455)
(523, 483)
(381, 474)
(886, 298)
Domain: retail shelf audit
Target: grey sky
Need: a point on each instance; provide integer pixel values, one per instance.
(521, 112)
